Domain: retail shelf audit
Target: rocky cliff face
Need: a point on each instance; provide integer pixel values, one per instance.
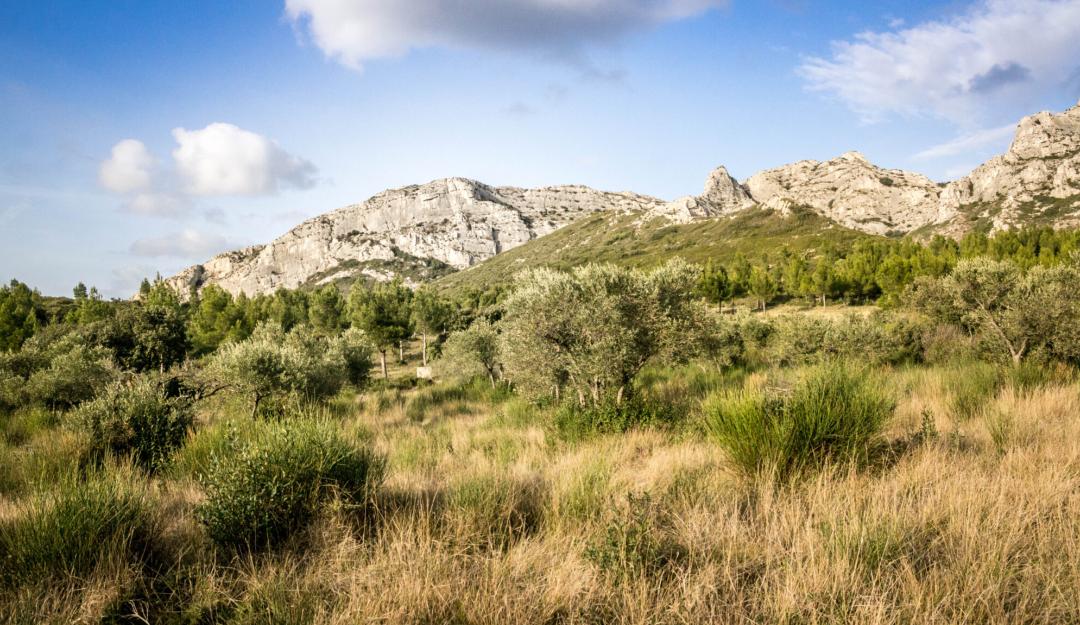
(420, 232)
(414, 232)
(1036, 180)
(723, 195)
(851, 191)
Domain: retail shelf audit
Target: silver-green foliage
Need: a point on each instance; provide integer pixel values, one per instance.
(589, 331)
(1015, 313)
(137, 418)
(273, 363)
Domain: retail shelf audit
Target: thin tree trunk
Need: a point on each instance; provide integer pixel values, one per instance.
(401, 351)
(424, 339)
(255, 407)
(382, 359)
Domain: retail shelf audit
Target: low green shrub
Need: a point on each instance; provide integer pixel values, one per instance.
(834, 413)
(64, 531)
(137, 418)
(71, 378)
(23, 424)
(573, 421)
(264, 486)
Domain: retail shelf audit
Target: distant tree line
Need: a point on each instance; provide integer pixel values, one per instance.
(873, 270)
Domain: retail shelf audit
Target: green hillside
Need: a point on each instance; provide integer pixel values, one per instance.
(622, 240)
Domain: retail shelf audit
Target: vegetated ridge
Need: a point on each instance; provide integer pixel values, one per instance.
(431, 231)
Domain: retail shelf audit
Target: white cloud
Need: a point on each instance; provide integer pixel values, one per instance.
(185, 244)
(129, 168)
(354, 31)
(159, 205)
(994, 53)
(223, 159)
(966, 144)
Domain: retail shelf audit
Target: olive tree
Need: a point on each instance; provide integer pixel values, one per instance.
(273, 363)
(591, 330)
(1016, 313)
(473, 351)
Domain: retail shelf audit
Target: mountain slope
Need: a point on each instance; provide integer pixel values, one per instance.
(627, 240)
(418, 232)
(1035, 182)
(426, 232)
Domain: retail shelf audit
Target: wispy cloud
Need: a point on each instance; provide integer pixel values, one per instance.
(184, 244)
(997, 52)
(968, 143)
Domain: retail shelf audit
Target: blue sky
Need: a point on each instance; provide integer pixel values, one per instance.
(142, 136)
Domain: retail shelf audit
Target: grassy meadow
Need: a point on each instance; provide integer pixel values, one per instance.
(600, 445)
(486, 513)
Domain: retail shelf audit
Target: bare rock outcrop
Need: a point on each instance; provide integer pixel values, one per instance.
(853, 192)
(1037, 179)
(451, 224)
(723, 195)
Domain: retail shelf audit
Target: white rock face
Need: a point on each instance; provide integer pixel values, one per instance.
(455, 221)
(1039, 173)
(851, 191)
(723, 195)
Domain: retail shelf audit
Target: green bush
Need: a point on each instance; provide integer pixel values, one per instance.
(576, 422)
(137, 418)
(63, 532)
(834, 413)
(71, 378)
(262, 488)
(356, 352)
(12, 391)
(23, 424)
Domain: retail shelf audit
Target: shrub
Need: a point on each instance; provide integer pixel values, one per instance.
(25, 423)
(12, 391)
(576, 422)
(71, 378)
(834, 413)
(272, 363)
(260, 490)
(356, 352)
(137, 418)
(796, 340)
(64, 532)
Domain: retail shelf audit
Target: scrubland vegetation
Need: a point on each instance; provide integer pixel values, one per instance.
(600, 445)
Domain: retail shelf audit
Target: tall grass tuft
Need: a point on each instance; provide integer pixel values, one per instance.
(970, 387)
(262, 488)
(63, 532)
(834, 413)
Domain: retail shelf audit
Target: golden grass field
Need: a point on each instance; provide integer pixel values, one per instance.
(486, 516)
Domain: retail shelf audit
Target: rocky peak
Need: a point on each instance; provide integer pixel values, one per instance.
(722, 195)
(413, 232)
(1037, 179)
(851, 191)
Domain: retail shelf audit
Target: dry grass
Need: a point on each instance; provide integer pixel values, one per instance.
(487, 518)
